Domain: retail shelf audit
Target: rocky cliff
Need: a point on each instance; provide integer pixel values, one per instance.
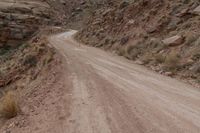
(19, 20)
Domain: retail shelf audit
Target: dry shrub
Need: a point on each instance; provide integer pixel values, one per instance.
(9, 107)
(172, 61)
(121, 51)
(159, 58)
(147, 58)
(155, 44)
(30, 60)
(129, 48)
(191, 38)
(49, 57)
(195, 51)
(132, 51)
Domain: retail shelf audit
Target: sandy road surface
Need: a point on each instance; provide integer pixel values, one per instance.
(113, 95)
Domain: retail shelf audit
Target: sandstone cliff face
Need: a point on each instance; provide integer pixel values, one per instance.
(19, 20)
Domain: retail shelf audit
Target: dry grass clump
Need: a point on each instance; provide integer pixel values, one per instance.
(191, 38)
(9, 107)
(147, 58)
(195, 52)
(172, 61)
(131, 52)
(159, 58)
(30, 60)
(48, 57)
(121, 51)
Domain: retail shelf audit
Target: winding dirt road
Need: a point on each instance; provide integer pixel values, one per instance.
(113, 95)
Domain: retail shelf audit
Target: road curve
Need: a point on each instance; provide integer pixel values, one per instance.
(113, 95)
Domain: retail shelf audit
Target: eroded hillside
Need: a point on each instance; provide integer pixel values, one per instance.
(163, 35)
(21, 21)
(24, 54)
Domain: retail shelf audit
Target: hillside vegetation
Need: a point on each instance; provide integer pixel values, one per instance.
(161, 34)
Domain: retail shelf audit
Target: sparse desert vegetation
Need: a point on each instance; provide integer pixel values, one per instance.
(162, 35)
(151, 34)
(131, 51)
(9, 106)
(172, 61)
(159, 58)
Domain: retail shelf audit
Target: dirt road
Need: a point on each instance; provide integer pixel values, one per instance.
(113, 95)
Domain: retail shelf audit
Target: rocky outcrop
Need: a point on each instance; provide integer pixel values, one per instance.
(174, 41)
(19, 20)
(197, 10)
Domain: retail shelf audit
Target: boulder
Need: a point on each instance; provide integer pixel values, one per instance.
(151, 29)
(139, 62)
(63, 2)
(169, 74)
(197, 10)
(78, 9)
(184, 12)
(174, 41)
(82, 2)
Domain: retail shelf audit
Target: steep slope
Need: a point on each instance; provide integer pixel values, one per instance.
(21, 19)
(30, 71)
(163, 35)
(21, 49)
(23, 24)
(24, 53)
